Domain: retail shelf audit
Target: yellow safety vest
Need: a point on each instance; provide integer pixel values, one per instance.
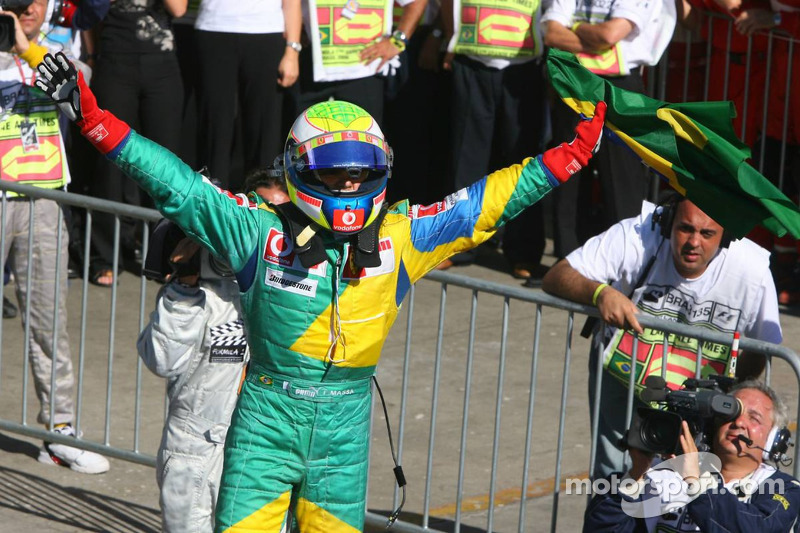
(498, 28)
(35, 160)
(607, 63)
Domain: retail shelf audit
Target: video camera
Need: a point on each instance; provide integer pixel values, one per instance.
(703, 403)
(61, 15)
(157, 265)
(7, 38)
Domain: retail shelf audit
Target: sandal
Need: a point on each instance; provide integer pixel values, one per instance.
(102, 277)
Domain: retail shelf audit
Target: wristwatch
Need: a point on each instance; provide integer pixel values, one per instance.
(294, 45)
(399, 39)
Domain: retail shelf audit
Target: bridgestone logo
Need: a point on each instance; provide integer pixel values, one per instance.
(288, 282)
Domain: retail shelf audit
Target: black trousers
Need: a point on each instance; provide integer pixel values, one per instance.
(366, 93)
(497, 120)
(623, 178)
(238, 77)
(144, 90)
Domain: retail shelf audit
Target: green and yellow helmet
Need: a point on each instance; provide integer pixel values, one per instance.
(337, 135)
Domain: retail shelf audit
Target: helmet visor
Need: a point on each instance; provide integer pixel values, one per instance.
(342, 149)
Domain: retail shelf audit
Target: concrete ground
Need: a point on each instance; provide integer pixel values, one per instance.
(37, 497)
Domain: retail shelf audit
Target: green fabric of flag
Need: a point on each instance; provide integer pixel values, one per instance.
(692, 145)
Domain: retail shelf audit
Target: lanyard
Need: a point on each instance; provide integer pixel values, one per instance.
(22, 72)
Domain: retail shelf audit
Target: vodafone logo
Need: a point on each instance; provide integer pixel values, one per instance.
(279, 248)
(278, 245)
(348, 220)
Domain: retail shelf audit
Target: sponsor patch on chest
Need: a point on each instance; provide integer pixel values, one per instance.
(279, 250)
(386, 250)
(286, 281)
(422, 211)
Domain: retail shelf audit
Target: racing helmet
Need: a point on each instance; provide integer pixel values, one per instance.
(330, 136)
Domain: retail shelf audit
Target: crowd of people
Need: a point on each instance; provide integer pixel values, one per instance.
(457, 92)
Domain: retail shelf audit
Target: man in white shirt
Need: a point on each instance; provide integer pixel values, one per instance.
(673, 262)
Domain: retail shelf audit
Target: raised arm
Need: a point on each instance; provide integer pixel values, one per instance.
(224, 223)
(472, 215)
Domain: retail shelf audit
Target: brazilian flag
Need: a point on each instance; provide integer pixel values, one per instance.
(692, 145)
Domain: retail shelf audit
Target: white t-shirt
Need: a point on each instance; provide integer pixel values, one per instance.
(240, 16)
(653, 20)
(735, 293)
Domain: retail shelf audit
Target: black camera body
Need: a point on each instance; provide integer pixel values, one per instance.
(702, 403)
(7, 32)
(157, 265)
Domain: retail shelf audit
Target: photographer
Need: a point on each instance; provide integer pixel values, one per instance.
(673, 262)
(32, 153)
(744, 494)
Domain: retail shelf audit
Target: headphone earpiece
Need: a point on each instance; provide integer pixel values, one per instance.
(665, 218)
(777, 444)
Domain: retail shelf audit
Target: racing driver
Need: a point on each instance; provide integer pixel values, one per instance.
(321, 282)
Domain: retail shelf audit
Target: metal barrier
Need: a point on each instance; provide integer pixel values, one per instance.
(465, 457)
(485, 398)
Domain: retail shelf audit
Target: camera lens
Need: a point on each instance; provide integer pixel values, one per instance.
(660, 431)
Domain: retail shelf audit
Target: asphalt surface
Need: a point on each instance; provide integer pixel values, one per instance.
(38, 497)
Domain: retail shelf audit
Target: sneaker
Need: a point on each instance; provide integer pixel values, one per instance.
(82, 461)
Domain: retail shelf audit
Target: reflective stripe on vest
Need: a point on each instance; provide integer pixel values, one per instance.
(608, 63)
(38, 163)
(499, 28)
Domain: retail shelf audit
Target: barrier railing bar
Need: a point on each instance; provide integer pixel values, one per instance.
(785, 131)
(434, 406)
(726, 77)
(708, 58)
(562, 420)
(765, 102)
(79, 200)
(87, 244)
(529, 430)
(112, 330)
(404, 388)
(465, 410)
(56, 303)
(26, 351)
(631, 387)
(747, 69)
(103, 449)
(498, 409)
(137, 406)
(687, 56)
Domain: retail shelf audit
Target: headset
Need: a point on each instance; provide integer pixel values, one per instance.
(778, 442)
(665, 218)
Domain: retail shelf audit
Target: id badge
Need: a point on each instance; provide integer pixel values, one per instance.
(350, 9)
(30, 139)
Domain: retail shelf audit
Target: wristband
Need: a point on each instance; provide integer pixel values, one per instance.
(574, 27)
(597, 292)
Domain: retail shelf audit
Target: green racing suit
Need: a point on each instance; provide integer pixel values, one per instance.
(299, 435)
